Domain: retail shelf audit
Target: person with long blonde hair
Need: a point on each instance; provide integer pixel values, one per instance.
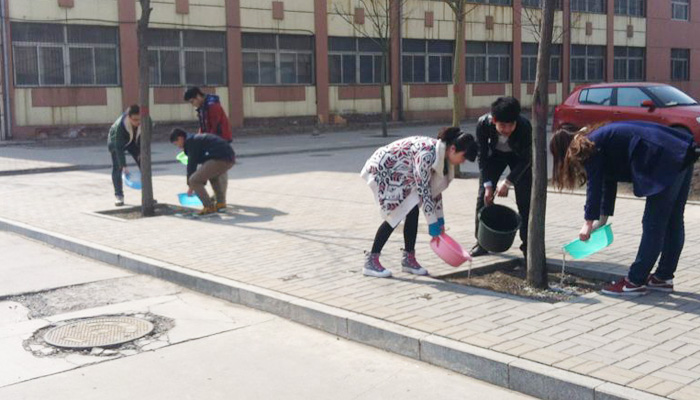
(658, 161)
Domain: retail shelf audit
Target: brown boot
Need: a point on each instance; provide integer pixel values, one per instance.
(208, 210)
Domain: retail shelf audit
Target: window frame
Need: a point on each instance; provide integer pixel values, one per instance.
(357, 54)
(504, 3)
(680, 4)
(427, 54)
(627, 59)
(487, 57)
(558, 5)
(628, 6)
(528, 58)
(587, 58)
(182, 51)
(278, 52)
(65, 46)
(685, 60)
(588, 5)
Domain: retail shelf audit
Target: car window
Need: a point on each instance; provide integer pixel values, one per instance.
(631, 97)
(670, 96)
(598, 97)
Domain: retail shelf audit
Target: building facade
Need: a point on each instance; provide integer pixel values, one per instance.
(74, 63)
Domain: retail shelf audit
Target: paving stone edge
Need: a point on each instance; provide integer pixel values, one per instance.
(507, 371)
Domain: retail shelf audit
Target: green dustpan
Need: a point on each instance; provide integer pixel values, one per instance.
(182, 157)
(600, 239)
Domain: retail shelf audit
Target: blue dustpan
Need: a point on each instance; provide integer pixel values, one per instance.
(189, 201)
(132, 179)
(600, 239)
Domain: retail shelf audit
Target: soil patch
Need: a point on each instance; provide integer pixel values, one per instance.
(131, 213)
(511, 279)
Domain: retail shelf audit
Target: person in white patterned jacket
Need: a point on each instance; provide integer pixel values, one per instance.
(409, 173)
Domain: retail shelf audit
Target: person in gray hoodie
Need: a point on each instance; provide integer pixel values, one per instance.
(124, 136)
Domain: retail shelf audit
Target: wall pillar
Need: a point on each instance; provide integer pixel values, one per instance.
(128, 52)
(395, 58)
(566, 50)
(234, 63)
(517, 47)
(321, 43)
(10, 118)
(610, 43)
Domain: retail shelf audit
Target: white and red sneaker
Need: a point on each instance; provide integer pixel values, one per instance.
(654, 283)
(624, 288)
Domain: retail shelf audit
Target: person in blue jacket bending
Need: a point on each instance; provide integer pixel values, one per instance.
(658, 161)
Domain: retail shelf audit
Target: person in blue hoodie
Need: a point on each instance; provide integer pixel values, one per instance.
(658, 161)
(208, 158)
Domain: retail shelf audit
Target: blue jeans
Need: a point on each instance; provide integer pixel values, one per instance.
(663, 231)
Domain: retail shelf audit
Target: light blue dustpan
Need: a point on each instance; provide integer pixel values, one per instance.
(189, 201)
(600, 239)
(132, 179)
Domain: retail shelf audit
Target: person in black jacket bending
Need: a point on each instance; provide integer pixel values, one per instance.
(505, 140)
(216, 157)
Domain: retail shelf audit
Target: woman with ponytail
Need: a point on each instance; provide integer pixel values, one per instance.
(657, 160)
(409, 173)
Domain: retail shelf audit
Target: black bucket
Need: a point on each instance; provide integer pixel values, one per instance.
(497, 227)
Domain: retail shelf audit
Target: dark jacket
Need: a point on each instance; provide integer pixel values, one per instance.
(649, 155)
(520, 141)
(122, 134)
(202, 148)
(212, 118)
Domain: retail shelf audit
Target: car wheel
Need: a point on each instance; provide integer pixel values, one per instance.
(683, 129)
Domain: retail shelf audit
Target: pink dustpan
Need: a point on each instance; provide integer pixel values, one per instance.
(449, 250)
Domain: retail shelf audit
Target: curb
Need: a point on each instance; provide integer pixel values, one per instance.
(500, 369)
(79, 167)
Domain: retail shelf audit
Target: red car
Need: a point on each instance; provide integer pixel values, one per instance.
(653, 102)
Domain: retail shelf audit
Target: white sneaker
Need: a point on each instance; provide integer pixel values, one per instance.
(118, 201)
(374, 268)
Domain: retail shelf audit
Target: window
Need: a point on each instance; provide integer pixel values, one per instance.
(427, 61)
(629, 63)
(680, 9)
(277, 59)
(352, 61)
(670, 96)
(181, 58)
(587, 63)
(631, 97)
(635, 8)
(589, 6)
(680, 64)
(488, 62)
(494, 2)
(596, 97)
(529, 64)
(538, 4)
(65, 55)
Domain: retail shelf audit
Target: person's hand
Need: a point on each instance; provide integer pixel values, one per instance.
(586, 230)
(502, 189)
(190, 192)
(125, 170)
(601, 222)
(488, 196)
(434, 229)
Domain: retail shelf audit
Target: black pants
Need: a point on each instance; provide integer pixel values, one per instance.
(410, 231)
(135, 152)
(522, 191)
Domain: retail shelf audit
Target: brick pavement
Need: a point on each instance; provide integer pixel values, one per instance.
(300, 223)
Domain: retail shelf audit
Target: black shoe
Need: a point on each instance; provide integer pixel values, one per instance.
(477, 251)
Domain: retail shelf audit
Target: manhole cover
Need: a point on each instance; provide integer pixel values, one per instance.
(98, 332)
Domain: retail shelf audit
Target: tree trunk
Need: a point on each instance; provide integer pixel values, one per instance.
(458, 84)
(147, 204)
(536, 256)
(382, 89)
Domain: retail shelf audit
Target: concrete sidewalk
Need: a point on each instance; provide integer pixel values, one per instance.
(292, 244)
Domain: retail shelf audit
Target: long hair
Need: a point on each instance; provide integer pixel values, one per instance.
(570, 151)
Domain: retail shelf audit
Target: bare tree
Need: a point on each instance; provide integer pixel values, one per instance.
(380, 29)
(536, 256)
(147, 203)
(460, 9)
(534, 18)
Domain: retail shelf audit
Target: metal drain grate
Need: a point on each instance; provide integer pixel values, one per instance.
(98, 332)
